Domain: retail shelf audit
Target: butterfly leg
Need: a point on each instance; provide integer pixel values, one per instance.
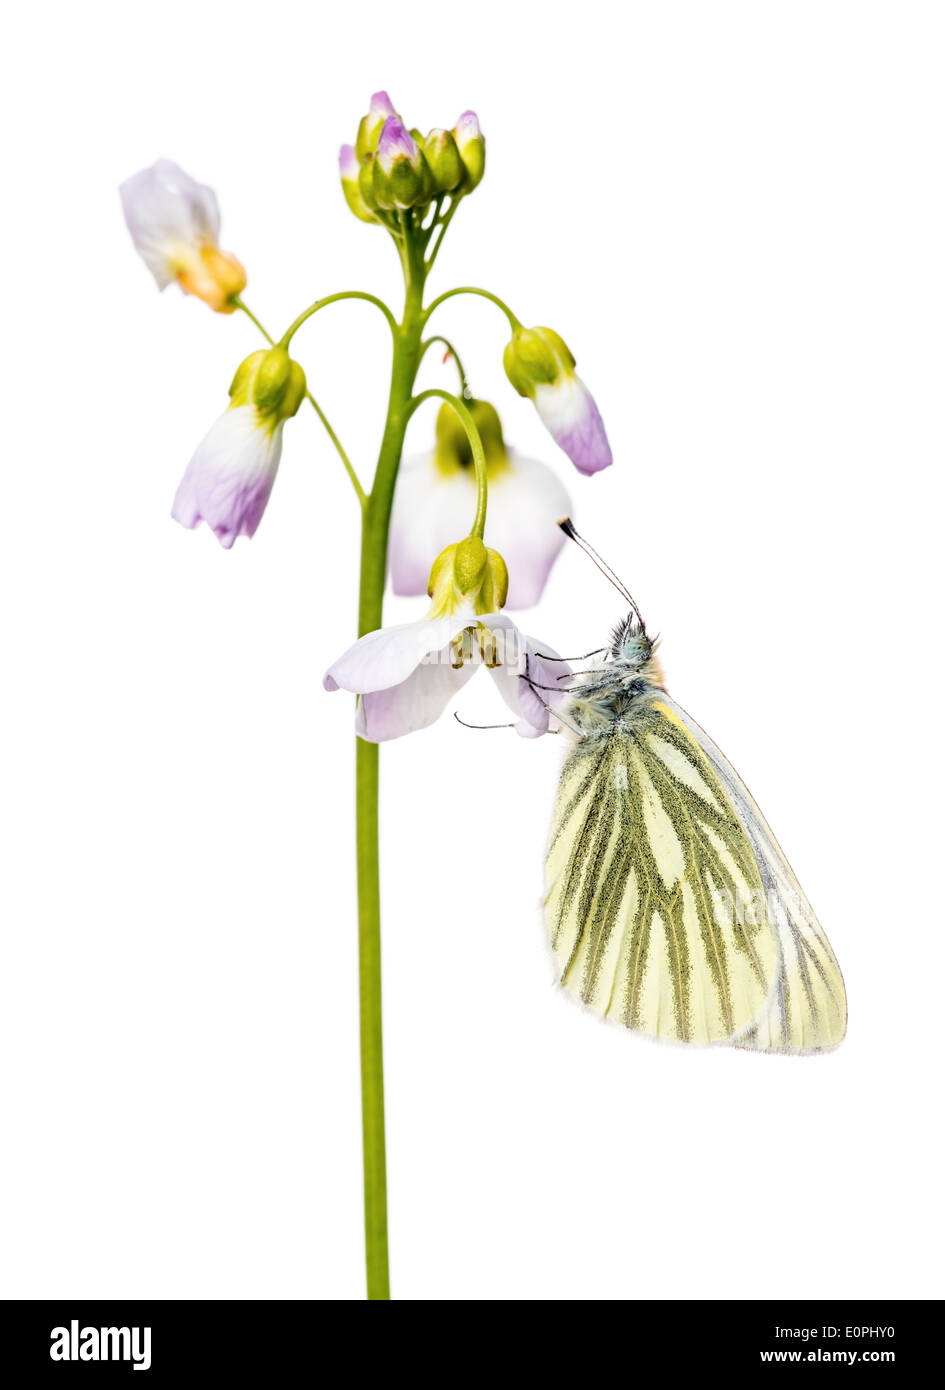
(596, 652)
(548, 708)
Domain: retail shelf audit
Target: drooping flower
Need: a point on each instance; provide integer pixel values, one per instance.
(540, 365)
(175, 225)
(228, 481)
(436, 494)
(406, 675)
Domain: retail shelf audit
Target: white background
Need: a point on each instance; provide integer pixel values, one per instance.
(734, 213)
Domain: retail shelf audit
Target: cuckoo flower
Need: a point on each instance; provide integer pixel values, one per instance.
(436, 492)
(406, 675)
(175, 223)
(540, 365)
(229, 479)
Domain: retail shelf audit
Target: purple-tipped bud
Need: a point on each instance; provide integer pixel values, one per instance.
(382, 106)
(472, 148)
(350, 170)
(467, 128)
(348, 164)
(396, 142)
(372, 124)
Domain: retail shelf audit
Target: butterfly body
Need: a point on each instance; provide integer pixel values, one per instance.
(671, 907)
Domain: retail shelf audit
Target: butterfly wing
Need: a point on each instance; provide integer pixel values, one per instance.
(808, 1012)
(647, 863)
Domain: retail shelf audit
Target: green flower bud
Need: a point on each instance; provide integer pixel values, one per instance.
(350, 184)
(535, 357)
(366, 183)
(442, 155)
(272, 382)
(472, 149)
(453, 449)
(401, 177)
(468, 572)
(372, 124)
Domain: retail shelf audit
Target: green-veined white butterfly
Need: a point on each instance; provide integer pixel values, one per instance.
(670, 905)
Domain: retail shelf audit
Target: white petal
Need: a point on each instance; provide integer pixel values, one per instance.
(388, 656)
(432, 509)
(570, 415)
(228, 481)
(520, 658)
(526, 499)
(169, 214)
(414, 704)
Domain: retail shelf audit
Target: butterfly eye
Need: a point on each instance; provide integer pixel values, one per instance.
(636, 649)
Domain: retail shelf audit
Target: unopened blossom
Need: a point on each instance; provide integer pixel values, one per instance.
(436, 494)
(406, 675)
(228, 481)
(350, 169)
(381, 108)
(174, 223)
(401, 176)
(540, 365)
(472, 148)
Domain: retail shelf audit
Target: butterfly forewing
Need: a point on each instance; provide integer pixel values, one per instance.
(653, 888)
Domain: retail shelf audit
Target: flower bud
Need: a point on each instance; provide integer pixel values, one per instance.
(366, 182)
(350, 175)
(472, 149)
(270, 381)
(465, 573)
(175, 225)
(535, 356)
(453, 448)
(442, 155)
(401, 175)
(372, 124)
(540, 365)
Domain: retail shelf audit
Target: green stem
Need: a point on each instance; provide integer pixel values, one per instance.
(484, 294)
(375, 526)
(335, 299)
(438, 338)
(478, 453)
(355, 480)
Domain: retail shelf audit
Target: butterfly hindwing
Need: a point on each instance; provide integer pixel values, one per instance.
(647, 864)
(808, 1011)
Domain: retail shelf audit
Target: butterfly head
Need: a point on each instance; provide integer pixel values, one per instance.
(629, 642)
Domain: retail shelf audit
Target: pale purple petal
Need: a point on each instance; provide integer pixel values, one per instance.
(348, 162)
(387, 656)
(569, 413)
(467, 128)
(166, 209)
(520, 657)
(526, 501)
(395, 142)
(414, 704)
(228, 481)
(381, 107)
(432, 509)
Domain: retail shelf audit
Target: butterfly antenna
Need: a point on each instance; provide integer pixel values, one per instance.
(572, 533)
